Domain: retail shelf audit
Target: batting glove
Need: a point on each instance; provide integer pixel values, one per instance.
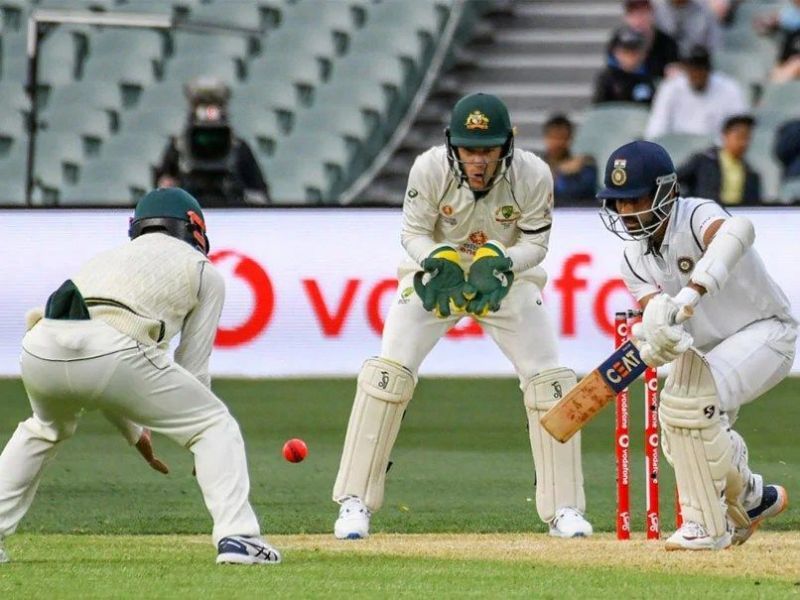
(659, 328)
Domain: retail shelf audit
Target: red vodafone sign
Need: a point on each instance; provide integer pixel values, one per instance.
(260, 285)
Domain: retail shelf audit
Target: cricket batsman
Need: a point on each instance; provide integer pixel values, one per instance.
(102, 342)
(739, 344)
(476, 224)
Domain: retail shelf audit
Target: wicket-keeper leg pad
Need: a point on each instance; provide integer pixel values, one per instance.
(699, 445)
(559, 474)
(383, 391)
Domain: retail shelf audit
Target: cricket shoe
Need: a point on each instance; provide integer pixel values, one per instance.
(353, 521)
(693, 536)
(774, 501)
(246, 550)
(569, 523)
(4, 558)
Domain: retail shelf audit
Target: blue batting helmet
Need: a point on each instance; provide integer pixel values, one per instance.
(633, 171)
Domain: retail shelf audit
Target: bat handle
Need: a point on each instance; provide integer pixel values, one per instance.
(684, 314)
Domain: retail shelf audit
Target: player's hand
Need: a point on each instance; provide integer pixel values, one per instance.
(657, 357)
(489, 281)
(659, 328)
(145, 448)
(440, 285)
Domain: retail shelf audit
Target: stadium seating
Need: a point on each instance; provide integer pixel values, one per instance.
(790, 191)
(682, 145)
(762, 160)
(608, 126)
(326, 80)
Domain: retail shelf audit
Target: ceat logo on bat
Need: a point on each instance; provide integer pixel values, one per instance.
(622, 367)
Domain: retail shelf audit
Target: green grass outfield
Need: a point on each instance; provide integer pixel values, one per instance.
(462, 465)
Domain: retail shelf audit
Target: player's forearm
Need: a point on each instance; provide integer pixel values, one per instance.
(418, 246)
(729, 243)
(529, 251)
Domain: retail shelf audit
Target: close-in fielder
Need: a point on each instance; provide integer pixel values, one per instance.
(476, 225)
(102, 342)
(691, 252)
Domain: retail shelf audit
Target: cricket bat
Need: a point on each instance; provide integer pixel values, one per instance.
(598, 388)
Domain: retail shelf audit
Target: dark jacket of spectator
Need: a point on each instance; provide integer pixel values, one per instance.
(663, 52)
(626, 78)
(787, 148)
(661, 48)
(790, 45)
(581, 185)
(701, 177)
(616, 85)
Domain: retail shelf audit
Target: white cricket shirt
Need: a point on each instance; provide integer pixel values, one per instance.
(516, 212)
(749, 295)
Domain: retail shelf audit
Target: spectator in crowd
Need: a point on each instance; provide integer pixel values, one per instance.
(725, 10)
(625, 78)
(207, 159)
(697, 101)
(662, 52)
(690, 22)
(787, 148)
(722, 173)
(788, 23)
(574, 177)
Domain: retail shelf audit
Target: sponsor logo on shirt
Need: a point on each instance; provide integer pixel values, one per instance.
(476, 240)
(506, 214)
(405, 295)
(447, 211)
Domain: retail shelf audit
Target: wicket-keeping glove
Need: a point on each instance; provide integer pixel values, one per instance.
(440, 285)
(489, 280)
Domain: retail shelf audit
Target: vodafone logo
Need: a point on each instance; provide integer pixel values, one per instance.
(255, 277)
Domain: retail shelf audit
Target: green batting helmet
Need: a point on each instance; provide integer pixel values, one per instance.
(173, 211)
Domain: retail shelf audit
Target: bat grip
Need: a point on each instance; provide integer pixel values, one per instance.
(684, 314)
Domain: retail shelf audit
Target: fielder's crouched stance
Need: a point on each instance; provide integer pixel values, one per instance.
(103, 343)
(691, 252)
(476, 218)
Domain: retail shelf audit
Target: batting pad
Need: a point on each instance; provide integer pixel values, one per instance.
(559, 474)
(383, 391)
(699, 446)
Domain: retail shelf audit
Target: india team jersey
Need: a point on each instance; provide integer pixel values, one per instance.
(749, 295)
(516, 212)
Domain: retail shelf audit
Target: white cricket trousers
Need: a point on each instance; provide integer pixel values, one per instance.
(71, 365)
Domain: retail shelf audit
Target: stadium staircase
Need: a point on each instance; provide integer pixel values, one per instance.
(534, 54)
(336, 97)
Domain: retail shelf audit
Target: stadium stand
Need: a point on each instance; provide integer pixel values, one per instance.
(357, 88)
(608, 126)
